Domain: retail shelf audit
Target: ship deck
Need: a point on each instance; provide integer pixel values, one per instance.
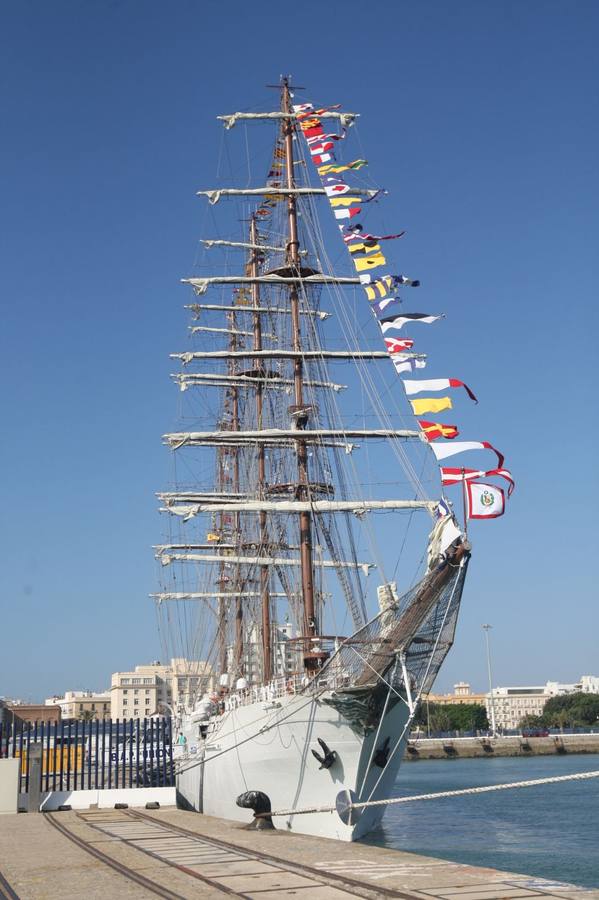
(176, 854)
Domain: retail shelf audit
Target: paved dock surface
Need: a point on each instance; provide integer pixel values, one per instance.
(178, 855)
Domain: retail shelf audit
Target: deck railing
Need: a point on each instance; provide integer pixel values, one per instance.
(283, 687)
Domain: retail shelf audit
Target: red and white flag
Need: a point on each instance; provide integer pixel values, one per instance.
(436, 384)
(302, 109)
(333, 190)
(320, 148)
(313, 131)
(326, 137)
(397, 345)
(455, 476)
(347, 213)
(442, 451)
(484, 501)
(357, 234)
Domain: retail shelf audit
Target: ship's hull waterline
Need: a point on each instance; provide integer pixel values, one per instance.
(277, 761)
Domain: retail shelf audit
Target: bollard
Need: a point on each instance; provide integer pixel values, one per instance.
(34, 794)
(260, 803)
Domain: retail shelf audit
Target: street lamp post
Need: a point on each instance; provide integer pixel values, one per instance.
(486, 629)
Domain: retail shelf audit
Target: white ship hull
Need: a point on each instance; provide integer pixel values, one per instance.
(238, 757)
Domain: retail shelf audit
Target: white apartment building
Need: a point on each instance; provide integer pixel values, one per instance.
(513, 703)
(588, 684)
(85, 705)
(510, 705)
(190, 680)
(139, 693)
(158, 689)
(287, 657)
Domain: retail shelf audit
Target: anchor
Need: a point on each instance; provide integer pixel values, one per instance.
(329, 757)
(382, 754)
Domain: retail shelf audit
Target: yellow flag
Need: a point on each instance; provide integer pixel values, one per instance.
(379, 288)
(343, 201)
(307, 124)
(329, 170)
(430, 404)
(363, 263)
(363, 248)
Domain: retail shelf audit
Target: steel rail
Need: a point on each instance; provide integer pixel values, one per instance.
(298, 868)
(6, 891)
(119, 867)
(222, 888)
(285, 865)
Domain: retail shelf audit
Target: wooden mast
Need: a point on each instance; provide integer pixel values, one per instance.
(311, 660)
(238, 652)
(222, 603)
(264, 570)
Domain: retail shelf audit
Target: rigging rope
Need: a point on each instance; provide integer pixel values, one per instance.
(462, 792)
(369, 385)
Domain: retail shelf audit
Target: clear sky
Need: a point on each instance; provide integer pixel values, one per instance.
(481, 120)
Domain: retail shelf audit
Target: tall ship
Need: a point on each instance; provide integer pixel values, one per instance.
(312, 566)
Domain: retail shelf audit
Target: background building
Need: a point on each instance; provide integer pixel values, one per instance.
(85, 705)
(287, 657)
(462, 694)
(28, 713)
(158, 689)
(588, 684)
(287, 652)
(513, 703)
(190, 680)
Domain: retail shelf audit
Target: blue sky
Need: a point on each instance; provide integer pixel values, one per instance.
(480, 119)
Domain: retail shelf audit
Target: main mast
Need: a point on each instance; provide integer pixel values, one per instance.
(264, 570)
(300, 412)
(239, 642)
(222, 602)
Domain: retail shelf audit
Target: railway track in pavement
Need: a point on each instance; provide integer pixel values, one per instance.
(222, 867)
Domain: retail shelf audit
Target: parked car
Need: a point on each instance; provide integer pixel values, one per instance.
(154, 776)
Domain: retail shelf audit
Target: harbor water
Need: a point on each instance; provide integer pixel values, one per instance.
(550, 831)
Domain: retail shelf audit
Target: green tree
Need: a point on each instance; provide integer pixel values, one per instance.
(439, 717)
(453, 717)
(577, 710)
(532, 722)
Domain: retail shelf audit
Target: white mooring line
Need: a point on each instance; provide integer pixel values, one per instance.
(580, 776)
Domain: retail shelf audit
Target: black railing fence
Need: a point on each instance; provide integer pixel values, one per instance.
(111, 753)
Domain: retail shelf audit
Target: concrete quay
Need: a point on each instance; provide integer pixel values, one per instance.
(177, 855)
(509, 745)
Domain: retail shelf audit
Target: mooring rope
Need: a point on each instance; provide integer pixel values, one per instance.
(580, 776)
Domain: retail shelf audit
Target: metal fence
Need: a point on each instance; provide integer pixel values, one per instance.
(111, 753)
